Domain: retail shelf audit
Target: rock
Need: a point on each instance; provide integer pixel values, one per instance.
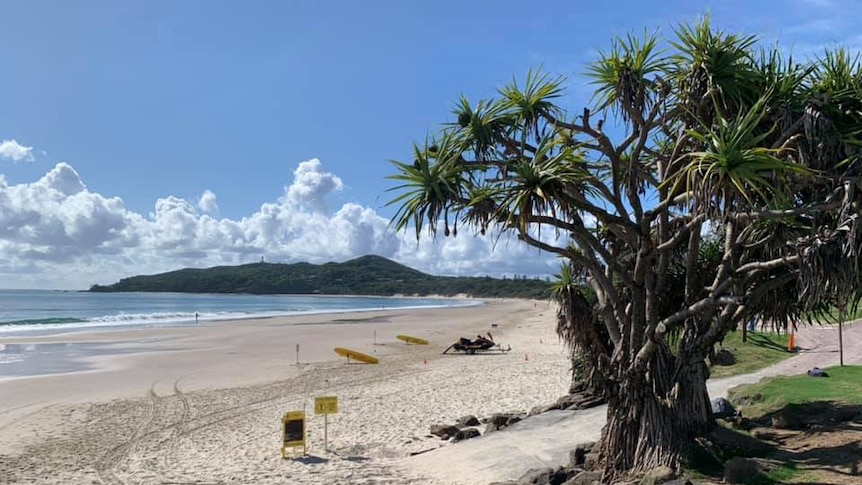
(658, 475)
(468, 420)
(723, 357)
(465, 434)
(722, 409)
(740, 470)
(444, 431)
(679, 481)
(590, 460)
(500, 421)
(542, 409)
(585, 478)
(546, 476)
(579, 454)
(569, 399)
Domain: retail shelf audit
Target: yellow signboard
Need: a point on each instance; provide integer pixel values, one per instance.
(293, 431)
(326, 405)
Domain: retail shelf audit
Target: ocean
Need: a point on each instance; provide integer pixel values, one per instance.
(39, 312)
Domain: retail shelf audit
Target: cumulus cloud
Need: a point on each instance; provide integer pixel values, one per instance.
(12, 150)
(311, 185)
(207, 202)
(55, 232)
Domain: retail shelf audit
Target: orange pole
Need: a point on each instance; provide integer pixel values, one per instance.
(791, 344)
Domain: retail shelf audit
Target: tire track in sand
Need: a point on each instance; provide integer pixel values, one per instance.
(107, 463)
(178, 429)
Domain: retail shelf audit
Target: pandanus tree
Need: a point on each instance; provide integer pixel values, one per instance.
(702, 132)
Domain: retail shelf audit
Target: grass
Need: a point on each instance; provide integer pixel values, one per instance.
(782, 474)
(844, 384)
(761, 350)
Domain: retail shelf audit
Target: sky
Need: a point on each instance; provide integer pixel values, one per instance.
(145, 136)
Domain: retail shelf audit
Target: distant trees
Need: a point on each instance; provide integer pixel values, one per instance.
(710, 132)
(368, 275)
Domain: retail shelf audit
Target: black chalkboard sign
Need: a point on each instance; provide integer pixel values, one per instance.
(294, 430)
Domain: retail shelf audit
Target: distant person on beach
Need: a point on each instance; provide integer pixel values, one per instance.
(196, 318)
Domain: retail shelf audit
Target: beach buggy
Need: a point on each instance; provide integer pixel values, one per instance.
(480, 344)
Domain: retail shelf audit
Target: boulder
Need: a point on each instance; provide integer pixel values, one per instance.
(565, 401)
(658, 476)
(546, 476)
(465, 434)
(579, 454)
(444, 431)
(740, 470)
(723, 357)
(722, 409)
(590, 460)
(468, 420)
(585, 478)
(500, 421)
(542, 409)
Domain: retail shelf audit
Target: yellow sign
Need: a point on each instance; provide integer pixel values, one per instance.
(326, 405)
(293, 431)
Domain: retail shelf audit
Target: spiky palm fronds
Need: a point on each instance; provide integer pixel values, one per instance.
(432, 185)
(712, 69)
(734, 165)
(529, 104)
(627, 76)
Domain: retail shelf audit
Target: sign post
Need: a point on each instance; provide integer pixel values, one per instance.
(326, 405)
(293, 431)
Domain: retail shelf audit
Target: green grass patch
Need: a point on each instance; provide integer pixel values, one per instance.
(844, 384)
(761, 350)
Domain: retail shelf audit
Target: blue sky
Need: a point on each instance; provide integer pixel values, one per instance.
(183, 125)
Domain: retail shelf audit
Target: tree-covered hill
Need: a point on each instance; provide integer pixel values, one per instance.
(367, 275)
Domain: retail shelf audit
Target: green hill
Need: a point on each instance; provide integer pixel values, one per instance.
(367, 275)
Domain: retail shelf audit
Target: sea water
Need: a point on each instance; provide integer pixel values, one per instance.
(38, 312)
(27, 313)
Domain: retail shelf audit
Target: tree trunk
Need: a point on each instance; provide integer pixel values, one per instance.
(653, 419)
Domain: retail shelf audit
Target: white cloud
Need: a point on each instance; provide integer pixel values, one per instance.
(12, 150)
(56, 233)
(207, 202)
(311, 185)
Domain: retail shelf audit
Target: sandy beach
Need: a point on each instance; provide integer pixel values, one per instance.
(203, 404)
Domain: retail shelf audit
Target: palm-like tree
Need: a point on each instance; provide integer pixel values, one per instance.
(712, 131)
